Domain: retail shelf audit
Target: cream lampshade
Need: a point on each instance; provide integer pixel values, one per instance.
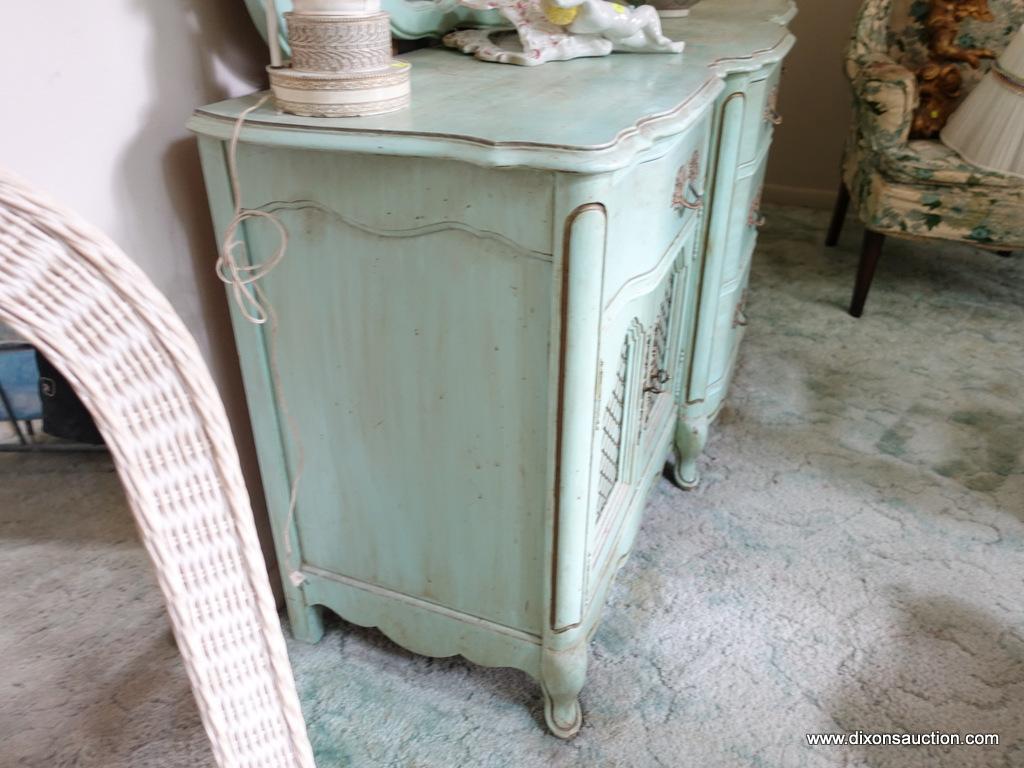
(987, 130)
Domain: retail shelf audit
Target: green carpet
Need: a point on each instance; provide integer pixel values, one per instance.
(854, 560)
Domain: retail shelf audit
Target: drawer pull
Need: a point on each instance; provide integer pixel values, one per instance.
(755, 219)
(681, 203)
(771, 113)
(685, 181)
(657, 383)
(739, 317)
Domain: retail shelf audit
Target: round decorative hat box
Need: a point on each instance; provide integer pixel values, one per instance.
(336, 43)
(341, 64)
(348, 94)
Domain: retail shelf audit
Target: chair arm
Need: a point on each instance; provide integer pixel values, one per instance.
(885, 96)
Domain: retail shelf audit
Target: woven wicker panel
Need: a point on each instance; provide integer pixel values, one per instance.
(611, 433)
(140, 373)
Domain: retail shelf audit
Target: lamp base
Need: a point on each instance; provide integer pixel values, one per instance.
(336, 94)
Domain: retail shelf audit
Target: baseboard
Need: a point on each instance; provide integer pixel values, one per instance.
(810, 198)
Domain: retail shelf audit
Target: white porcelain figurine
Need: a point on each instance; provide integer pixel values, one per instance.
(629, 29)
(556, 30)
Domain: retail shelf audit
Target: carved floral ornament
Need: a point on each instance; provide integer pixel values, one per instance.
(557, 30)
(686, 184)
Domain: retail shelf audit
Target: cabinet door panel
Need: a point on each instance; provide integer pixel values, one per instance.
(391, 343)
(744, 221)
(642, 342)
(729, 328)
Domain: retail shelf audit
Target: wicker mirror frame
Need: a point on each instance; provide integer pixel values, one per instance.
(72, 293)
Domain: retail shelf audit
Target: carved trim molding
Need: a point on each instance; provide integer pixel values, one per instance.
(410, 232)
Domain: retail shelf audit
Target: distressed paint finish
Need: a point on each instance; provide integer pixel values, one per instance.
(493, 322)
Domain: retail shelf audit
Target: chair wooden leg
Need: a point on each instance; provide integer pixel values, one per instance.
(870, 251)
(838, 215)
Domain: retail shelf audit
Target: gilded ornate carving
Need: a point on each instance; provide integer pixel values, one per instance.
(939, 81)
(938, 90)
(943, 25)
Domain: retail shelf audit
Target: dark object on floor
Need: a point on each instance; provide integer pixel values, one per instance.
(21, 399)
(19, 382)
(19, 387)
(64, 415)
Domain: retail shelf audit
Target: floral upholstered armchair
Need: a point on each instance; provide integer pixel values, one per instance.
(918, 188)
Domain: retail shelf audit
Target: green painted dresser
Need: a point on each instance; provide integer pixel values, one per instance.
(498, 311)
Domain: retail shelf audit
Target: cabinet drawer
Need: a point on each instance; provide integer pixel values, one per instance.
(755, 220)
(653, 203)
(745, 219)
(729, 329)
(761, 113)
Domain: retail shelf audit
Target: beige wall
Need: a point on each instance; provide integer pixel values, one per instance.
(815, 104)
(95, 97)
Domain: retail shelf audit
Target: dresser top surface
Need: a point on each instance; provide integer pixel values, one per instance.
(582, 115)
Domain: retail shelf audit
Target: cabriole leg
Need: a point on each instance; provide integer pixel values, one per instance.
(691, 437)
(563, 674)
(307, 622)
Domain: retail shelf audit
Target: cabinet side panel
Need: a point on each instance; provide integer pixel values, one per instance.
(414, 362)
(258, 387)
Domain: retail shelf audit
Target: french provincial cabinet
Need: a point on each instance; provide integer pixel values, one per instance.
(498, 311)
